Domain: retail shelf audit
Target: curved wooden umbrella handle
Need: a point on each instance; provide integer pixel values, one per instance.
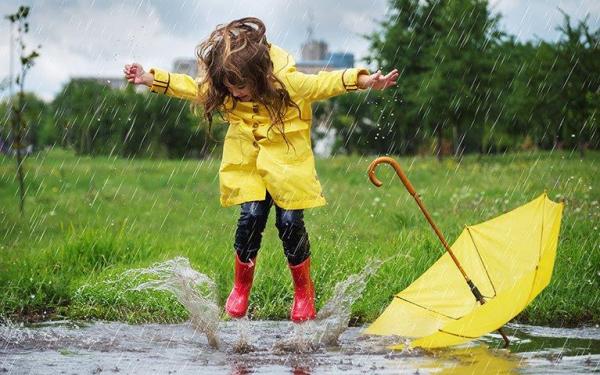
(399, 172)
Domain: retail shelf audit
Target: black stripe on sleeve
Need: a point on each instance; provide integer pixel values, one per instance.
(344, 82)
(168, 81)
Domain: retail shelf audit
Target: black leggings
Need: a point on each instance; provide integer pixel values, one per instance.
(289, 223)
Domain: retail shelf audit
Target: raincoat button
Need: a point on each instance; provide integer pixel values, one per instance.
(255, 144)
(255, 125)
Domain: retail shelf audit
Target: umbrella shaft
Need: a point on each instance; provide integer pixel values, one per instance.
(443, 241)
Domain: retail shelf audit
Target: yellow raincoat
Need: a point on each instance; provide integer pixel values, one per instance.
(255, 159)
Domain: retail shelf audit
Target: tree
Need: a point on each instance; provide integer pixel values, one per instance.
(463, 79)
(95, 119)
(18, 122)
(442, 49)
(457, 83)
(402, 43)
(578, 56)
(553, 95)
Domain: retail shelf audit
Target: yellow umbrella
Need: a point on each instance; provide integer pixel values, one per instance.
(490, 274)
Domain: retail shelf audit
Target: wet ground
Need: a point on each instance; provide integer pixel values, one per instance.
(323, 346)
(272, 348)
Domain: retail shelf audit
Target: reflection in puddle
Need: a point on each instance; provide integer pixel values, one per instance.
(473, 360)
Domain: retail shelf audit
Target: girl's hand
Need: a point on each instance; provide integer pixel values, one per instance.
(378, 81)
(134, 73)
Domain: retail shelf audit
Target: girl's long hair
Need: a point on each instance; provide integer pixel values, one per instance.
(237, 54)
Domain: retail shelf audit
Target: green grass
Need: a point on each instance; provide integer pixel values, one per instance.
(89, 219)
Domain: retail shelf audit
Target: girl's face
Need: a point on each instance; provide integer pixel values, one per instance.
(241, 93)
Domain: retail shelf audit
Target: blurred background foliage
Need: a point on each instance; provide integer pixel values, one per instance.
(465, 87)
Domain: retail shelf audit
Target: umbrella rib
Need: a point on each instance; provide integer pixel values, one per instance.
(428, 309)
(540, 247)
(541, 234)
(457, 335)
(482, 263)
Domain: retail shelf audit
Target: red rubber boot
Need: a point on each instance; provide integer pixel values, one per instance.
(237, 302)
(304, 293)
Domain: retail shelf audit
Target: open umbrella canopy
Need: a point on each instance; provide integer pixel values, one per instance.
(509, 258)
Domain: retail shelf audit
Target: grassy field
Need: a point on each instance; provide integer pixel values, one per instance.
(89, 219)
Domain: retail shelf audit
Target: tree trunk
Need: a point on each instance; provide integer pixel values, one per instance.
(455, 141)
(17, 145)
(21, 178)
(439, 137)
(581, 147)
(458, 143)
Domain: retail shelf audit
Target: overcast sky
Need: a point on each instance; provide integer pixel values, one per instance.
(96, 38)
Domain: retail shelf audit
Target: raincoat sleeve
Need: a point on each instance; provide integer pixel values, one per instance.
(324, 84)
(177, 85)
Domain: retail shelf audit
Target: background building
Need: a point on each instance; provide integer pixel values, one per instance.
(316, 56)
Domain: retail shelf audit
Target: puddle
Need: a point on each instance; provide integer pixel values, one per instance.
(206, 344)
(110, 347)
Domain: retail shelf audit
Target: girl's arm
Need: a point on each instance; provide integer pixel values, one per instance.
(327, 84)
(163, 82)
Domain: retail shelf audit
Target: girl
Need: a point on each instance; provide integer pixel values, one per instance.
(267, 155)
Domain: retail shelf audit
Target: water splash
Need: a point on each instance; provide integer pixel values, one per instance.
(50, 335)
(333, 318)
(304, 338)
(197, 293)
(194, 290)
(16, 334)
(242, 344)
